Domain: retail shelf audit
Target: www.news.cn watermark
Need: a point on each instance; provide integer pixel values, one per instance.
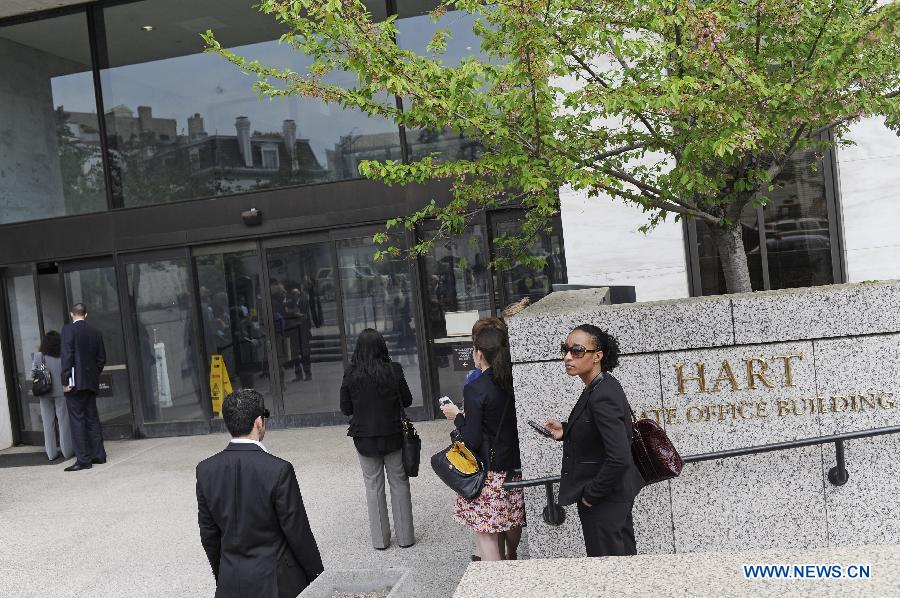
(807, 571)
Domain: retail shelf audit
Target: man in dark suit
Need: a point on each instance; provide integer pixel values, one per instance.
(83, 357)
(253, 525)
(598, 471)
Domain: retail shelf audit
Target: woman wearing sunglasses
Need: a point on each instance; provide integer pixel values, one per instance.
(598, 471)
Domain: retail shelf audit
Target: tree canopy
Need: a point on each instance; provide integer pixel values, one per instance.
(688, 108)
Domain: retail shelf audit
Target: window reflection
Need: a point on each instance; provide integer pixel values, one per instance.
(307, 328)
(415, 28)
(50, 156)
(379, 295)
(797, 234)
(457, 295)
(520, 280)
(183, 124)
(798, 237)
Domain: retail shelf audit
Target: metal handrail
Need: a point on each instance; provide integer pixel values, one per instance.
(837, 475)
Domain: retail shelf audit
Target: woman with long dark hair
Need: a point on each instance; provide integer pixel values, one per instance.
(496, 516)
(53, 404)
(373, 393)
(598, 471)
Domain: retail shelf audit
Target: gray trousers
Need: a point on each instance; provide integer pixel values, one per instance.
(52, 409)
(373, 469)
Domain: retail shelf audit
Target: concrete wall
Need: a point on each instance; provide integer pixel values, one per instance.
(29, 161)
(845, 343)
(869, 174)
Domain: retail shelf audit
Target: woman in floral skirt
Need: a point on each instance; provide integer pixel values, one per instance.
(496, 515)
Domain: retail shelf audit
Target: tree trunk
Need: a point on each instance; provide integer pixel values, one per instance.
(730, 244)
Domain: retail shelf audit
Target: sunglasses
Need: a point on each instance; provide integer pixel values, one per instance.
(577, 351)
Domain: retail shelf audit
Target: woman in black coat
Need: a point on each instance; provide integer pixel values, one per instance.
(598, 471)
(497, 514)
(373, 393)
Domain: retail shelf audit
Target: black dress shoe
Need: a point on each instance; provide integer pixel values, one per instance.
(77, 467)
(98, 461)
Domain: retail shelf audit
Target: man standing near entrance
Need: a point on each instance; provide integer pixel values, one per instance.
(253, 525)
(83, 357)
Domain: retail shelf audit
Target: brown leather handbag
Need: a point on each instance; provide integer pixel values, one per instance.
(654, 454)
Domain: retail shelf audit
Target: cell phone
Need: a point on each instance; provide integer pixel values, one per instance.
(445, 401)
(541, 429)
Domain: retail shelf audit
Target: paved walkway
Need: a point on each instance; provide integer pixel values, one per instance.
(129, 528)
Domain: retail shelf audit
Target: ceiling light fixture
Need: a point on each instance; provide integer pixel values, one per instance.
(147, 27)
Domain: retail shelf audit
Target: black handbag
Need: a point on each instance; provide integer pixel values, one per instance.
(654, 454)
(461, 469)
(412, 446)
(41, 380)
(411, 450)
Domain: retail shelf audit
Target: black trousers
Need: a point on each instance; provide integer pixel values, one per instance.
(608, 529)
(85, 421)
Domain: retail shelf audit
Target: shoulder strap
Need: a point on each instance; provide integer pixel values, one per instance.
(499, 428)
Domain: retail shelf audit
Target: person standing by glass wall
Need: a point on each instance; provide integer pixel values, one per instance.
(53, 404)
(374, 393)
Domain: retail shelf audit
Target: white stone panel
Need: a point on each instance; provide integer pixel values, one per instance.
(869, 174)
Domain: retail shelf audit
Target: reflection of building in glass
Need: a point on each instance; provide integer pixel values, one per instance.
(155, 161)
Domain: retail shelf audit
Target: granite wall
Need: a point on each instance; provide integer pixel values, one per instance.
(728, 372)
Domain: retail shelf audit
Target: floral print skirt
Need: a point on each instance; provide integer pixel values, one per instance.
(495, 510)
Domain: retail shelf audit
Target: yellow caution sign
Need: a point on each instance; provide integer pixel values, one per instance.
(219, 383)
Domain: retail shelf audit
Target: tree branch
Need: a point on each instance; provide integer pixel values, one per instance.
(659, 204)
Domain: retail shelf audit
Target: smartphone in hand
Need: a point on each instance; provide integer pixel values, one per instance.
(444, 401)
(540, 429)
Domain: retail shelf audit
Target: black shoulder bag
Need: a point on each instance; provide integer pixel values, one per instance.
(461, 469)
(412, 444)
(41, 380)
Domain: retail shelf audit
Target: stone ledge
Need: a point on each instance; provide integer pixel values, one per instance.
(649, 327)
(696, 574)
(816, 312)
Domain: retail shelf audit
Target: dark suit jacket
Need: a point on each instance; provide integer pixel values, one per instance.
(253, 525)
(484, 402)
(83, 350)
(375, 411)
(597, 464)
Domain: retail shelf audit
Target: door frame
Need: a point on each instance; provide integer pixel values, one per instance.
(110, 431)
(425, 411)
(132, 350)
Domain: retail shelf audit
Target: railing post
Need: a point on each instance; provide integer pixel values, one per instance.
(838, 474)
(553, 513)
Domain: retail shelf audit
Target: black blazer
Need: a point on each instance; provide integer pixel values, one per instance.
(375, 411)
(253, 525)
(484, 402)
(597, 463)
(83, 350)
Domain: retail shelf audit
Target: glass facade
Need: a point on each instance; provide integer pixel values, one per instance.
(307, 326)
(163, 311)
(233, 316)
(379, 295)
(50, 153)
(96, 287)
(788, 242)
(415, 28)
(183, 124)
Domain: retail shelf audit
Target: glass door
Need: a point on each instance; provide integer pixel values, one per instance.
(381, 295)
(305, 303)
(233, 321)
(457, 293)
(521, 280)
(162, 327)
(94, 284)
(22, 317)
